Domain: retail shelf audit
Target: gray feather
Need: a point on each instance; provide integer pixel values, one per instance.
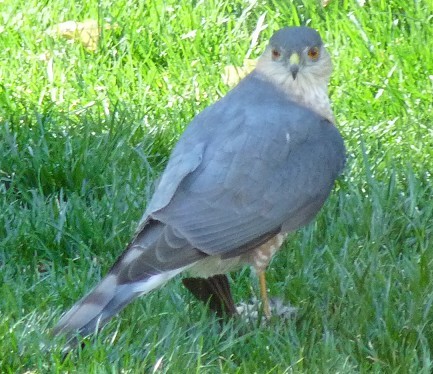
(156, 255)
(267, 163)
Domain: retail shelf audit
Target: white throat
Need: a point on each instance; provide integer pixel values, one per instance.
(307, 89)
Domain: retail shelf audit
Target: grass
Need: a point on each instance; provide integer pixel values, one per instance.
(84, 133)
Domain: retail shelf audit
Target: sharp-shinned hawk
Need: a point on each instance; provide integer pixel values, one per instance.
(249, 169)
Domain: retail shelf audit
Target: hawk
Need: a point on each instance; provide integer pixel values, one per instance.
(249, 169)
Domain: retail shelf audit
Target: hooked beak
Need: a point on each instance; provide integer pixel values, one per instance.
(294, 64)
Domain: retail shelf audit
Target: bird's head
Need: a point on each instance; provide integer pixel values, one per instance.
(294, 56)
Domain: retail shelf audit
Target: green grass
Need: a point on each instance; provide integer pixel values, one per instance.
(83, 134)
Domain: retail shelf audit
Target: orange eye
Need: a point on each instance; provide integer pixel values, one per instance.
(276, 54)
(313, 53)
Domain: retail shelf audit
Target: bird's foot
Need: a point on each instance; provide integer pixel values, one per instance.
(251, 312)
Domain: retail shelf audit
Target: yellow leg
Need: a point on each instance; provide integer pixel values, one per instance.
(264, 294)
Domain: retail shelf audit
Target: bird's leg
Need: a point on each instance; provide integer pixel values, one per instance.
(264, 294)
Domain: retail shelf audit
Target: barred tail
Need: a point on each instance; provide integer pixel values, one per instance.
(157, 254)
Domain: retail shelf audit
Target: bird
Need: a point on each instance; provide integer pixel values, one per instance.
(248, 170)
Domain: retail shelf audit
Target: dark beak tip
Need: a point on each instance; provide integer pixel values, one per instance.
(294, 70)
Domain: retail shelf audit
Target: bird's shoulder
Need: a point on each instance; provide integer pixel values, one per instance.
(253, 106)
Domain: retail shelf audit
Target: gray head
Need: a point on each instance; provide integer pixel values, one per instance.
(295, 39)
(297, 51)
(297, 63)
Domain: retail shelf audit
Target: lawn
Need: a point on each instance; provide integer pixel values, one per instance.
(87, 121)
